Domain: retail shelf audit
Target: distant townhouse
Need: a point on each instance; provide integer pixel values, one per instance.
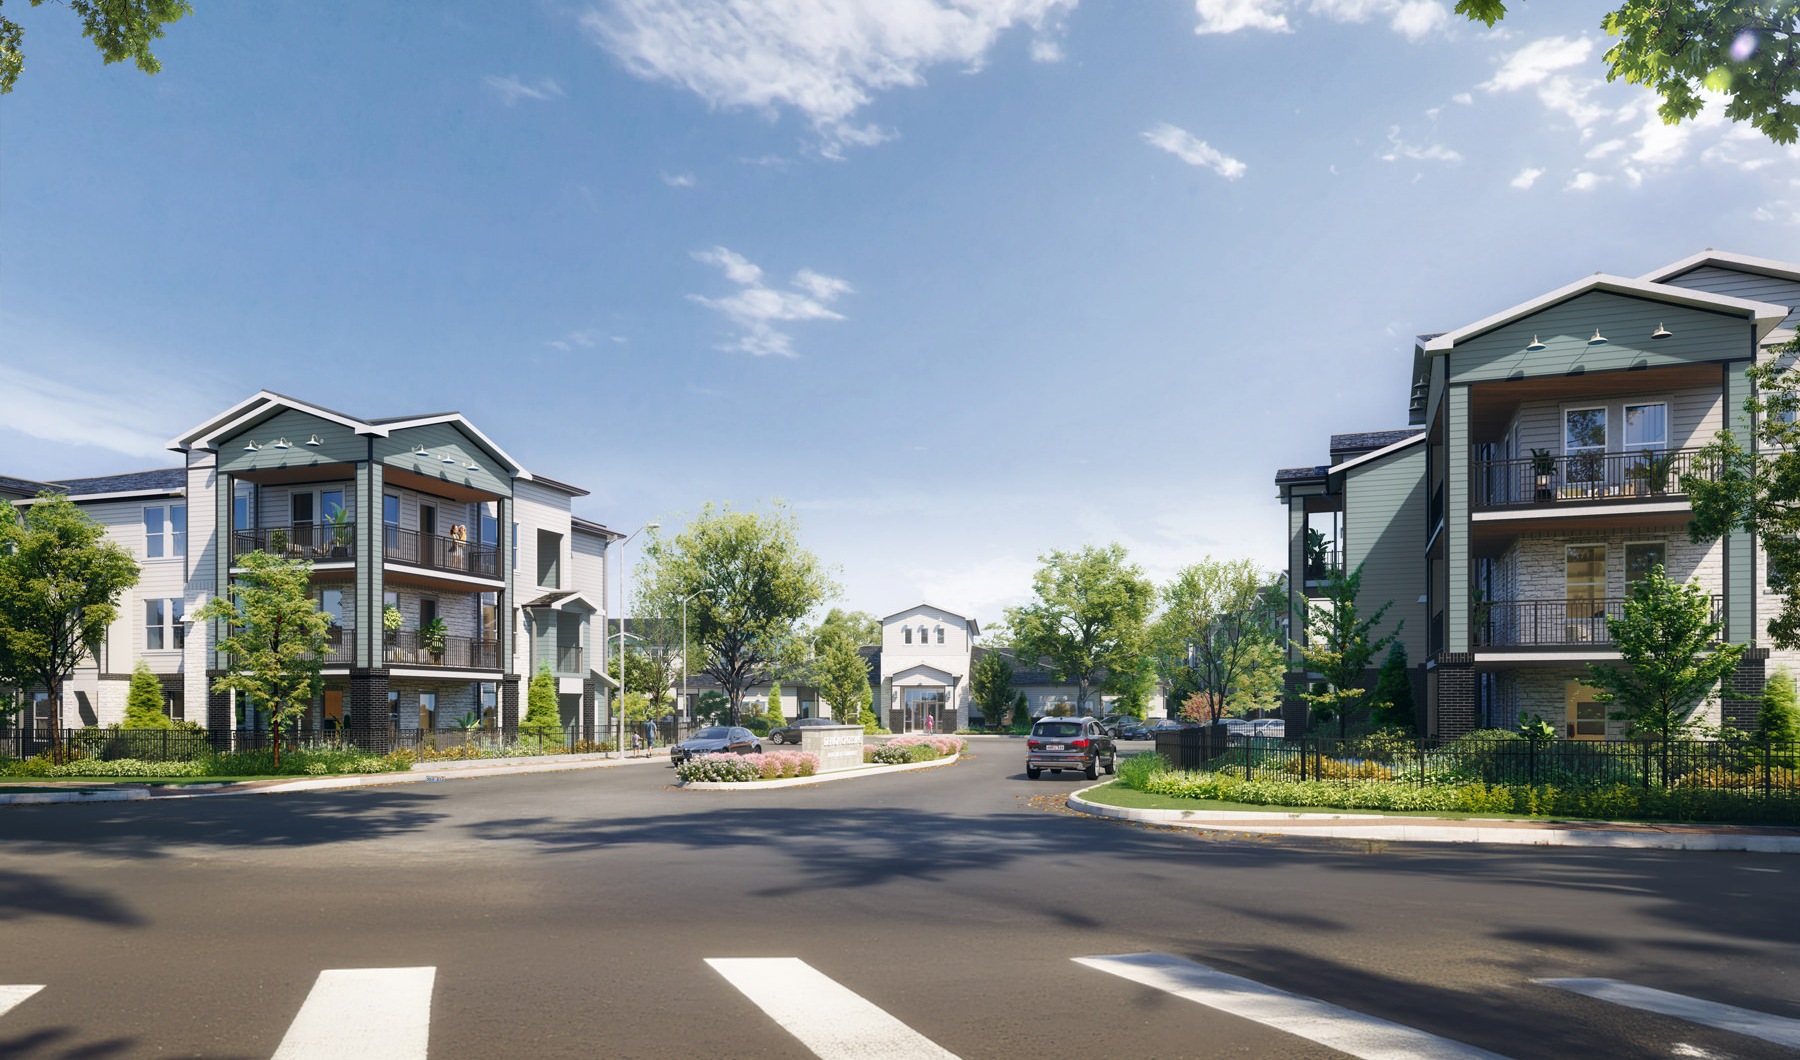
(1538, 478)
(408, 522)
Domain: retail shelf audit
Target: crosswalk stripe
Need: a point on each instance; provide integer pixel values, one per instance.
(12, 995)
(1777, 1029)
(832, 1021)
(1338, 1028)
(383, 1012)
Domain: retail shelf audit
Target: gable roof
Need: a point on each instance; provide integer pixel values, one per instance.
(160, 480)
(1765, 315)
(974, 626)
(26, 487)
(1782, 270)
(1387, 450)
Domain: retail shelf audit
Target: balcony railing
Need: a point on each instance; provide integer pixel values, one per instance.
(319, 542)
(1641, 474)
(340, 646)
(440, 552)
(1322, 565)
(568, 660)
(1551, 623)
(406, 648)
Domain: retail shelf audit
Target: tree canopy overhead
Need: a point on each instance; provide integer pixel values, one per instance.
(1089, 616)
(120, 30)
(1746, 50)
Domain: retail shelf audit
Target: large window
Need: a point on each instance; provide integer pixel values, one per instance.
(549, 559)
(163, 626)
(177, 624)
(1584, 572)
(1584, 443)
(154, 618)
(490, 616)
(427, 710)
(156, 532)
(1641, 556)
(1647, 426)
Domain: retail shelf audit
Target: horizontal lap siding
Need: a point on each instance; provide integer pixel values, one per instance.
(1384, 533)
(1749, 285)
(341, 444)
(439, 440)
(1625, 322)
(1695, 415)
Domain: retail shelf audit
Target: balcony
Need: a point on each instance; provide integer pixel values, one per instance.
(340, 646)
(405, 648)
(1322, 565)
(1587, 478)
(440, 553)
(568, 659)
(318, 542)
(1568, 624)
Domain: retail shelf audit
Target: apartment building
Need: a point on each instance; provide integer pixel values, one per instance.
(1538, 478)
(450, 572)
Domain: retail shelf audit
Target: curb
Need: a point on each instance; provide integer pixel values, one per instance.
(1436, 831)
(47, 798)
(820, 778)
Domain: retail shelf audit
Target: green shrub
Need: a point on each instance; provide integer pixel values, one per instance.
(870, 723)
(1779, 719)
(144, 700)
(1136, 770)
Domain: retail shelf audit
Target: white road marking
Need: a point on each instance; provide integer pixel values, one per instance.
(1777, 1029)
(832, 1021)
(10, 996)
(383, 1012)
(1316, 1021)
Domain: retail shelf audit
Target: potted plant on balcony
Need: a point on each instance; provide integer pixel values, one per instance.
(278, 541)
(1654, 471)
(1543, 465)
(342, 533)
(391, 622)
(432, 636)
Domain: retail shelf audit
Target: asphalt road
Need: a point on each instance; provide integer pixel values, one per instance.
(572, 915)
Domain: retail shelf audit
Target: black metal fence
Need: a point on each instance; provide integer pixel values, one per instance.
(1745, 766)
(1552, 623)
(179, 745)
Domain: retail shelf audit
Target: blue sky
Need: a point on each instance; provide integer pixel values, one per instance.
(961, 280)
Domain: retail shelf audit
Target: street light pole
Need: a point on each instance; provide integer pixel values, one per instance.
(683, 704)
(619, 713)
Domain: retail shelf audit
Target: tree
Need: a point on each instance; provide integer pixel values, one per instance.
(60, 583)
(1393, 698)
(990, 684)
(712, 708)
(274, 635)
(649, 671)
(542, 712)
(1088, 618)
(144, 701)
(860, 626)
(1778, 721)
(1746, 50)
(1133, 687)
(1216, 617)
(1340, 647)
(1759, 492)
(120, 29)
(755, 582)
(842, 675)
(1674, 660)
(776, 717)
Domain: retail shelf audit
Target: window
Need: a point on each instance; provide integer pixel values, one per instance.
(908, 632)
(515, 546)
(549, 560)
(331, 602)
(155, 531)
(428, 612)
(331, 502)
(1641, 557)
(300, 508)
(1647, 426)
(490, 616)
(1584, 442)
(153, 625)
(177, 627)
(394, 709)
(390, 522)
(487, 527)
(427, 710)
(240, 512)
(940, 633)
(177, 529)
(1584, 573)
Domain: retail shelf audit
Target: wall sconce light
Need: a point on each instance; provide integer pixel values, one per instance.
(314, 441)
(471, 466)
(419, 450)
(252, 447)
(1535, 345)
(449, 459)
(282, 444)
(1598, 339)
(1661, 332)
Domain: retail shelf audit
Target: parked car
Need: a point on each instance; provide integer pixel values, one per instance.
(1167, 725)
(1057, 744)
(1239, 727)
(1269, 728)
(731, 739)
(790, 733)
(1131, 729)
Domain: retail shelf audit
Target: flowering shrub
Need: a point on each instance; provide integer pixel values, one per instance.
(730, 768)
(904, 749)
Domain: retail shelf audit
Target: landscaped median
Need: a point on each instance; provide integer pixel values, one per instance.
(788, 768)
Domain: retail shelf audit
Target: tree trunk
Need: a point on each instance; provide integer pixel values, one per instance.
(276, 725)
(56, 717)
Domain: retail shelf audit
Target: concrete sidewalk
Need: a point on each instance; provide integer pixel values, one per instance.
(1326, 824)
(421, 772)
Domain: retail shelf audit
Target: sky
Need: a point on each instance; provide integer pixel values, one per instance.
(960, 281)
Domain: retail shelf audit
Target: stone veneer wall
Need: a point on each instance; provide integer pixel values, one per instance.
(1534, 568)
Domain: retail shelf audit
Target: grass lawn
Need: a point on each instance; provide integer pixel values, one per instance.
(1116, 794)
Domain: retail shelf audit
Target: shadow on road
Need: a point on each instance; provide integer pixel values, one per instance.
(25, 894)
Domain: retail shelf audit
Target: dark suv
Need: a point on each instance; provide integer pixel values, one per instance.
(1057, 744)
(790, 733)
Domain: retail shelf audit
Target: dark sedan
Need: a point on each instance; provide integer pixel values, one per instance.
(790, 733)
(727, 739)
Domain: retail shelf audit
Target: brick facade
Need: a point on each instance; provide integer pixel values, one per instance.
(1742, 691)
(509, 706)
(218, 706)
(1456, 700)
(367, 703)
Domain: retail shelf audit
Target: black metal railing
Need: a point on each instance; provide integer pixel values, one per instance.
(1551, 623)
(1642, 474)
(188, 744)
(408, 648)
(1752, 767)
(568, 659)
(1325, 564)
(340, 645)
(319, 542)
(438, 552)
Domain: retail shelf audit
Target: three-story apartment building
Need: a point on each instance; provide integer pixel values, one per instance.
(1541, 477)
(450, 572)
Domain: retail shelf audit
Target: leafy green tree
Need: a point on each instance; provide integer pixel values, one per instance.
(754, 580)
(542, 713)
(120, 29)
(144, 701)
(990, 685)
(1674, 659)
(1021, 711)
(776, 717)
(60, 583)
(712, 708)
(1393, 698)
(1340, 647)
(1747, 50)
(1759, 492)
(867, 719)
(860, 626)
(649, 671)
(842, 675)
(1132, 687)
(1778, 720)
(275, 637)
(1216, 617)
(1089, 616)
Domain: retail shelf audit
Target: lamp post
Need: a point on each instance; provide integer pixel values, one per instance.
(619, 714)
(683, 703)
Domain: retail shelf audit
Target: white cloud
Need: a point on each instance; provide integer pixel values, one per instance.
(1045, 50)
(826, 59)
(511, 89)
(1602, 150)
(1526, 178)
(106, 408)
(1194, 151)
(1412, 19)
(1399, 149)
(1586, 180)
(1780, 211)
(1536, 62)
(1464, 98)
(756, 307)
(679, 180)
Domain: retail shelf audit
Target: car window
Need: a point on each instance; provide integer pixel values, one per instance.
(740, 734)
(1058, 728)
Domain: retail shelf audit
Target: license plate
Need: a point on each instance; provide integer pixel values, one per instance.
(1054, 747)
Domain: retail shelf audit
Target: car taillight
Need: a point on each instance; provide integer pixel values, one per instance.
(1078, 743)
(1031, 744)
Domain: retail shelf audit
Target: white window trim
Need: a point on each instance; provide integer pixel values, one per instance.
(1605, 564)
(1668, 408)
(1563, 431)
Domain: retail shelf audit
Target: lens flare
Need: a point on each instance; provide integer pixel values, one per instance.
(1743, 47)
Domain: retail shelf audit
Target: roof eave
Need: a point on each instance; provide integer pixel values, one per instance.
(1764, 314)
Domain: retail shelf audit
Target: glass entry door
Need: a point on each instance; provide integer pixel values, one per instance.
(922, 708)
